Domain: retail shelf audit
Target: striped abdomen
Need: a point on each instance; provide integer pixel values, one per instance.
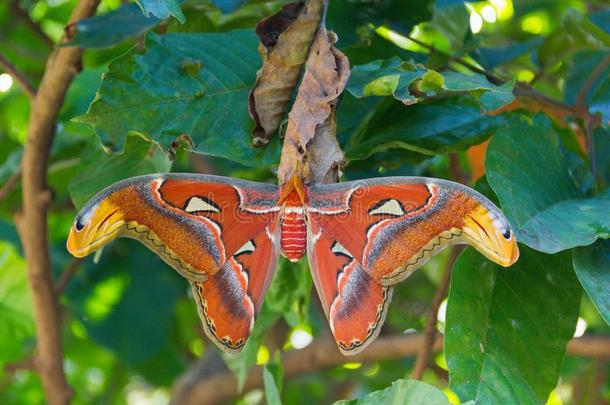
(293, 233)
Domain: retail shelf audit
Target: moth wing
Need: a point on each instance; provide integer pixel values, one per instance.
(393, 225)
(229, 301)
(355, 304)
(195, 223)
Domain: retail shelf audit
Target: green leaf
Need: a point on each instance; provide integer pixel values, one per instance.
(450, 124)
(568, 224)
(112, 28)
(384, 78)
(432, 81)
(576, 33)
(272, 393)
(591, 264)
(228, 6)
(16, 313)
(162, 8)
(507, 330)
(495, 56)
(394, 76)
(159, 97)
(491, 96)
(451, 20)
(402, 392)
(398, 14)
(98, 170)
(532, 177)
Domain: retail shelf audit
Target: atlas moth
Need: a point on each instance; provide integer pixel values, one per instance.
(361, 238)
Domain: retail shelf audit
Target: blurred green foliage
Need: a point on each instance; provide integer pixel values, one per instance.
(158, 70)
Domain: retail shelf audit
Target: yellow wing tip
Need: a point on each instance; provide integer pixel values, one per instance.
(93, 229)
(491, 235)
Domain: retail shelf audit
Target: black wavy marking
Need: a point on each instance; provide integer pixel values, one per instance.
(438, 242)
(209, 322)
(165, 250)
(354, 344)
(225, 341)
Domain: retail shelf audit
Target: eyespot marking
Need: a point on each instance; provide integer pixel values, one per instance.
(201, 204)
(248, 247)
(388, 207)
(78, 224)
(338, 249)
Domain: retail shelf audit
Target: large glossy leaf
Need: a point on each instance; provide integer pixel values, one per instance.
(98, 169)
(569, 223)
(591, 264)
(394, 76)
(112, 28)
(507, 329)
(532, 176)
(193, 85)
(402, 392)
(162, 8)
(451, 124)
(16, 313)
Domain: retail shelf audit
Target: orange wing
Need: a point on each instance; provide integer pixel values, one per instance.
(229, 301)
(355, 304)
(393, 225)
(219, 233)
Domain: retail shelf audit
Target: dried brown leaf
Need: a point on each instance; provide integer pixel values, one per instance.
(310, 147)
(285, 41)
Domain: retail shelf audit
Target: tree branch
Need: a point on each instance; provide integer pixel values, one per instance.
(23, 81)
(198, 387)
(62, 66)
(201, 386)
(586, 87)
(589, 120)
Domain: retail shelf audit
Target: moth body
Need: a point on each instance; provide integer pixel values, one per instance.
(293, 228)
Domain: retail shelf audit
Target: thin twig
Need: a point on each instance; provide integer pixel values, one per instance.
(490, 76)
(521, 90)
(23, 81)
(586, 87)
(27, 363)
(25, 17)
(62, 66)
(590, 122)
(66, 276)
(10, 184)
(423, 357)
